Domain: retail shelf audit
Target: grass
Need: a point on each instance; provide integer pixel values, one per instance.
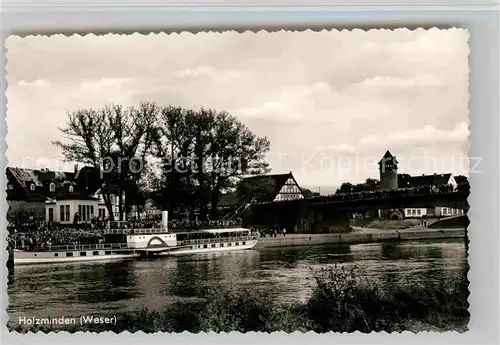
(340, 302)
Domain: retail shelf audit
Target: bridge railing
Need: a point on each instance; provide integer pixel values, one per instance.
(364, 195)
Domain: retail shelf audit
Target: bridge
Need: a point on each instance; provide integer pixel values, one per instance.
(312, 214)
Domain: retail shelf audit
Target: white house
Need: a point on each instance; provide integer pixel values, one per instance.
(68, 197)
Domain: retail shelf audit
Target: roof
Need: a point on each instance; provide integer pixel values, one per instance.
(261, 188)
(388, 157)
(405, 180)
(26, 176)
(50, 184)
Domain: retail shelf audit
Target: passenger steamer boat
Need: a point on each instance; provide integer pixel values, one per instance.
(125, 242)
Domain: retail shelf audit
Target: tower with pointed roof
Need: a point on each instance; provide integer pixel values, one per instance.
(388, 167)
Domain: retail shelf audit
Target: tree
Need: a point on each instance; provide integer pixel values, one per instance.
(346, 187)
(115, 140)
(309, 193)
(255, 188)
(205, 152)
(461, 179)
(370, 184)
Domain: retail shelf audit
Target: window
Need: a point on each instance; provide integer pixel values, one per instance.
(61, 213)
(91, 211)
(71, 189)
(56, 254)
(107, 252)
(95, 253)
(87, 209)
(205, 246)
(68, 218)
(243, 243)
(52, 187)
(213, 245)
(413, 212)
(83, 253)
(32, 187)
(69, 254)
(51, 214)
(418, 212)
(10, 186)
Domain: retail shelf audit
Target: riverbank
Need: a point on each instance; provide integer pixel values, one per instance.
(341, 301)
(360, 235)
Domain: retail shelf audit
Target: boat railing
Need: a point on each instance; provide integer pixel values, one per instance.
(134, 231)
(217, 240)
(76, 247)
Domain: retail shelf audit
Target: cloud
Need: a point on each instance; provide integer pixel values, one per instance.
(340, 148)
(207, 71)
(426, 136)
(402, 83)
(337, 93)
(35, 83)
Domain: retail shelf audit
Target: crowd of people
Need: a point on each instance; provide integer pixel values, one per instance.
(380, 193)
(39, 233)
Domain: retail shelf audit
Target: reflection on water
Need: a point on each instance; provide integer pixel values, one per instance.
(107, 288)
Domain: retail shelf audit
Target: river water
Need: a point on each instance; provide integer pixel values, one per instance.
(109, 288)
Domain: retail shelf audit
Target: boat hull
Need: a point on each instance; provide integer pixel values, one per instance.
(46, 257)
(32, 258)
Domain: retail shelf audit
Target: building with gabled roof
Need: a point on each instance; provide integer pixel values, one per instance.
(263, 188)
(67, 197)
(407, 181)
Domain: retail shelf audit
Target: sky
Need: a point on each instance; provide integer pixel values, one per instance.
(330, 102)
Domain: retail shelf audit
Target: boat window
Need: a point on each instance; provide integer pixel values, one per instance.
(237, 244)
(205, 246)
(107, 252)
(83, 253)
(56, 254)
(213, 245)
(95, 253)
(243, 243)
(69, 254)
(229, 244)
